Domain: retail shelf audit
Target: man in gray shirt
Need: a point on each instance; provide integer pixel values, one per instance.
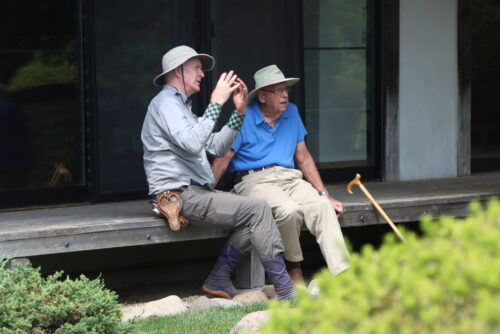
(176, 143)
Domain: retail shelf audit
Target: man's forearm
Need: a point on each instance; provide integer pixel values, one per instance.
(219, 166)
(311, 174)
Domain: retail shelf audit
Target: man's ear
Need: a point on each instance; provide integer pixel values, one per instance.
(260, 96)
(177, 72)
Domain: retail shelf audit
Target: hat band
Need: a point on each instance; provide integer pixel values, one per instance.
(272, 81)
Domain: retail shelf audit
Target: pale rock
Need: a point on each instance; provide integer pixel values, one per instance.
(251, 322)
(227, 302)
(132, 311)
(269, 291)
(203, 303)
(251, 297)
(166, 306)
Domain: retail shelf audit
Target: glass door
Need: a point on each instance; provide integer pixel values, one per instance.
(41, 114)
(130, 39)
(339, 76)
(266, 32)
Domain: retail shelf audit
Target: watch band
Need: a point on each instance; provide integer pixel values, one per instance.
(323, 192)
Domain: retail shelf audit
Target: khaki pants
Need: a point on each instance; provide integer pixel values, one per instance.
(294, 202)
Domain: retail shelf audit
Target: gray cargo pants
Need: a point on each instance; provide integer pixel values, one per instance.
(250, 219)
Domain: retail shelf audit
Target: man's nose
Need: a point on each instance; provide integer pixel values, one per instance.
(202, 74)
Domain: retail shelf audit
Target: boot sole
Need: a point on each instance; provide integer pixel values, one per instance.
(216, 293)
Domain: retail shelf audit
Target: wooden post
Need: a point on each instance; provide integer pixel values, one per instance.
(249, 273)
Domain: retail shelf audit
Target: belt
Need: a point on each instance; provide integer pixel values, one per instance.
(246, 172)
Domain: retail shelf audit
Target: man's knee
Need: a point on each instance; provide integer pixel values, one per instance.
(321, 204)
(258, 206)
(288, 213)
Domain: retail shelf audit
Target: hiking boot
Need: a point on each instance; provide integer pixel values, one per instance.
(218, 283)
(276, 271)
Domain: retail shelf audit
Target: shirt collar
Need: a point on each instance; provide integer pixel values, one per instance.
(172, 90)
(259, 119)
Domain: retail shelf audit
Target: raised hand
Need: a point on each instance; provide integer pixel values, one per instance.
(225, 86)
(240, 97)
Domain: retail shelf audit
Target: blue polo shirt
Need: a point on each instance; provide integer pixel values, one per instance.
(259, 145)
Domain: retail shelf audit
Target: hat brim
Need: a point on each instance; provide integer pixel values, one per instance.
(289, 82)
(207, 63)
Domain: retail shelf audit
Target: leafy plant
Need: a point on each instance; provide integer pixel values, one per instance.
(31, 304)
(447, 281)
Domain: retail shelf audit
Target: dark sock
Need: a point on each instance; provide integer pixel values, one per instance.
(291, 265)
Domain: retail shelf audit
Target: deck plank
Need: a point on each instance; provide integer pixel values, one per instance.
(98, 226)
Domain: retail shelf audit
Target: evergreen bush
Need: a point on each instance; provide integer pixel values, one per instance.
(30, 303)
(446, 281)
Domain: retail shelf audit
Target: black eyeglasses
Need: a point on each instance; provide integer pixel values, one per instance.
(277, 91)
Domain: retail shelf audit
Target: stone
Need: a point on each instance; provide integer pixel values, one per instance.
(251, 297)
(226, 302)
(203, 303)
(166, 306)
(251, 322)
(132, 311)
(269, 291)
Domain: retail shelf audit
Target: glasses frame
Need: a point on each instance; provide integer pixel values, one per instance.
(277, 91)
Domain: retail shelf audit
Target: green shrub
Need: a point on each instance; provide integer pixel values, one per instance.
(447, 281)
(31, 304)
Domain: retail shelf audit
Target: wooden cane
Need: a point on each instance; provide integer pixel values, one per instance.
(357, 181)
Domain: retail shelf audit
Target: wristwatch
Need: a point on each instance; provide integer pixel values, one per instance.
(323, 192)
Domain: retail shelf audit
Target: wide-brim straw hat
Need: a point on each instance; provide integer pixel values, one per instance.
(178, 56)
(267, 76)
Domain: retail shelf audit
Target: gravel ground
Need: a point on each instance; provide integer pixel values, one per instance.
(187, 290)
(144, 293)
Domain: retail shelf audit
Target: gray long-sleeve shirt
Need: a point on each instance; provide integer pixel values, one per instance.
(175, 141)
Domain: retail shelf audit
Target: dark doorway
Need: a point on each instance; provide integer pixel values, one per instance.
(485, 101)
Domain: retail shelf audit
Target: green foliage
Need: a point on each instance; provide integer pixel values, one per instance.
(447, 281)
(45, 69)
(31, 304)
(213, 320)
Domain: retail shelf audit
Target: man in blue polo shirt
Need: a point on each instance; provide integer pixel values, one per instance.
(268, 149)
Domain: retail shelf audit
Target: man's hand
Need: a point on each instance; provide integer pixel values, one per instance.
(337, 205)
(225, 86)
(240, 96)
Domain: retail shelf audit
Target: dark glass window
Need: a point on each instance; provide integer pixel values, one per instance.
(130, 40)
(41, 126)
(338, 82)
(260, 37)
(485, 101)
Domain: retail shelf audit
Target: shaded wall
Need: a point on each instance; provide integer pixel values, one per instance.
(428, 87)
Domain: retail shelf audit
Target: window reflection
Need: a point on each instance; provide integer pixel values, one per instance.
(337, 77)
(130, 40)
(40, 115)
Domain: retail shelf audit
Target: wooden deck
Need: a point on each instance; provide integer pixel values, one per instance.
(100, 226)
